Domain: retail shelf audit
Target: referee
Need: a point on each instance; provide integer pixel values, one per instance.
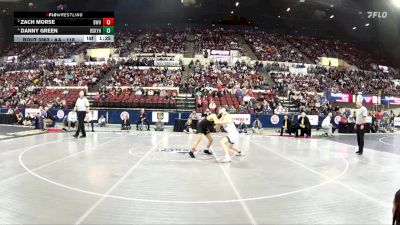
(361, 117)
(82, 107)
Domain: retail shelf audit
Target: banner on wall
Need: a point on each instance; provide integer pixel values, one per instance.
(95, 115)
(340, 97)
(237, 118)
(167, 63)
(298, 70)
(219, 53)
(390, 100)
(164, 116)
(31, 111)
(397, 121)
(370, 99)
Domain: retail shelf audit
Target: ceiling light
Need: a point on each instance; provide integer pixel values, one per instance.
(367, 24)
(332, 16)
(232, 12)
(288, 9)
(396, 3)
(354, 28)
(237, 4)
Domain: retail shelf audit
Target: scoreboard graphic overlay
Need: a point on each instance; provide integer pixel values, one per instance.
(63, 26)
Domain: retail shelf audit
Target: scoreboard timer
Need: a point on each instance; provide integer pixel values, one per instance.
(63, 27)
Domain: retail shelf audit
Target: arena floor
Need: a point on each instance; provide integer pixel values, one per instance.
(141, 178)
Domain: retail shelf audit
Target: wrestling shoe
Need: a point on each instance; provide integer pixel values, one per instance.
(191, 153)
(239, 154)
(226, 159)
(207, 151)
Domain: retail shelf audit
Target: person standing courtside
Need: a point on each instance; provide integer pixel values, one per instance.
(361, 117)
(82, 107)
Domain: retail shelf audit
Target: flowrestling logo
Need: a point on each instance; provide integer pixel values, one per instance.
(176, 150)
(376, 14)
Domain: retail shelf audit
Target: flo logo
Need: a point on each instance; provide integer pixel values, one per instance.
(379, 15)
(176, 150)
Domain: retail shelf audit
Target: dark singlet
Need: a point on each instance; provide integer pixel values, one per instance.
(205, 126)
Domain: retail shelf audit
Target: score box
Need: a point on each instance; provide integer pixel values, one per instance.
(108, 21)
(108, 30)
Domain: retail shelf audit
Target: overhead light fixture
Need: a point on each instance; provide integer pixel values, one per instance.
(354, 28)
(288, 9)
(232, 12)
(396, 3)
(332, 16)
(237, 4)
(367, 24)
(279, 16)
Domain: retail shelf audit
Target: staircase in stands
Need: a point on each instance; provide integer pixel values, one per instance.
(292, 109)
(185, 102)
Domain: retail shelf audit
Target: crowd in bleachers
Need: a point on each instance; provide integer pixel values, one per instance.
(272, 47)
(360, 81)
(220, 75)
(153, 77)
(17, 88)
(162, 41)
(135, 97)
(315, 47)
(215, 39)
(84, 75)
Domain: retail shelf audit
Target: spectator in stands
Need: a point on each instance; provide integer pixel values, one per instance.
(199, 103)
(242, 127)
(142, 120)
(232, 110)
(159, 125)
(279, 110)
(327, 126)
(287, 126)
(212, 106)
(304, 126)
(259, 109)
(101, 121)
(125, 124)
(257, 126)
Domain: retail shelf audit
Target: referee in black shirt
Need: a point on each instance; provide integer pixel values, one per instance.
(82, 107)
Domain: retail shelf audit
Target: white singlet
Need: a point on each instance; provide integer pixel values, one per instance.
(233, 133)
